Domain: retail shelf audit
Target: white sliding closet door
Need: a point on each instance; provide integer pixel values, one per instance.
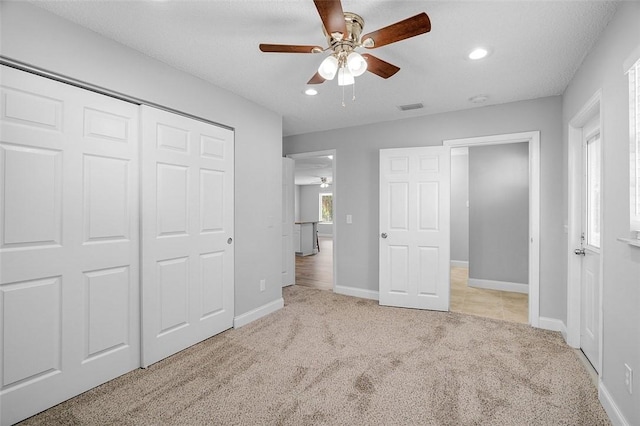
(69, 290)
(187, 231)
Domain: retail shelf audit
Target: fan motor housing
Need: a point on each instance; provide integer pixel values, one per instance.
(348, 41)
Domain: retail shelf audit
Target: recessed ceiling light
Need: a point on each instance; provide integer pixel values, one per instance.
(478, 99)
(310, 92)
(478, 53)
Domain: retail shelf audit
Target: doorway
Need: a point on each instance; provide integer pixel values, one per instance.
(493, 291)
(489, 231)
(315, 218)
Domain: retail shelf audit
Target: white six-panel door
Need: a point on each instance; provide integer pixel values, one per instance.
(187, 232)
(414, 227)
(69, 299)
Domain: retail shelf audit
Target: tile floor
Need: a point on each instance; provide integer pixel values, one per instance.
(503, 305)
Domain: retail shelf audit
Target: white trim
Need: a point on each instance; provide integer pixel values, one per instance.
(257, 313)
(460, 263)
(534, 205)
(553, 324)
(463, 150)
(324, 235)
(610, 406)
(631, 60)
(336, 200)
(591, 109)
(356, 292)
(498, 285)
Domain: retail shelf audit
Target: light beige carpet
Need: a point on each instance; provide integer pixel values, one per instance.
(332, 359)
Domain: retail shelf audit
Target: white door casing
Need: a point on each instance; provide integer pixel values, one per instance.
(414, 240)
(336, 214)
(533, 139)
(69, 242)
(187, 232)
(288, 250)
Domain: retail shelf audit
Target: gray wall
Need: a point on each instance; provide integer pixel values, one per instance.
(39, 38)
(309, 206)
(297, 203)
(358, 186)
(499, 212)
(603, 69)
(459, 209)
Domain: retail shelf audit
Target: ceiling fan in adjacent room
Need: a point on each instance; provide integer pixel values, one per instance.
(343, 32)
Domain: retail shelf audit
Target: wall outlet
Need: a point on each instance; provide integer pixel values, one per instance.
(263, 285)
(349, 218)
(628, 378)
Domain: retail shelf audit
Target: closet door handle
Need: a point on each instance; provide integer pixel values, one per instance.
(230, 240)
(384, 235)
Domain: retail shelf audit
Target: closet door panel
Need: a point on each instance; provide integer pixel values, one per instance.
(69, 263)
(187, 234)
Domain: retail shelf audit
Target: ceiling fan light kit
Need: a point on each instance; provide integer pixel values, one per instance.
(329, 67)
(343, 33)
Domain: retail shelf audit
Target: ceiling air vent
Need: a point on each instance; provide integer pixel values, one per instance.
(409, 107)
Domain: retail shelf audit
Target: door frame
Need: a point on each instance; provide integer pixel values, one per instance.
(591, 109)
(533, 138)
(336, 203)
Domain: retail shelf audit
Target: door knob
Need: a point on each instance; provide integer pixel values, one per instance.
(230, 240)
(383, 235)
(579, 252)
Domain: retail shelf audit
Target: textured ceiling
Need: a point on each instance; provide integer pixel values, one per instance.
(536, 47)
(309, 170)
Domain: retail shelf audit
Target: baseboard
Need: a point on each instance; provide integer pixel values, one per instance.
(553, 324)
(610, 407)
(460, 263)
(257, 313)
(498, 285)
(356, 292)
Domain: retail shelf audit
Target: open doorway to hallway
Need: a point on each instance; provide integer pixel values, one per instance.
(314, 231)
(490, 231)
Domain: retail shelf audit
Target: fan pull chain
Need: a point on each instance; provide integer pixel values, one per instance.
(353, 91)
(343, 104)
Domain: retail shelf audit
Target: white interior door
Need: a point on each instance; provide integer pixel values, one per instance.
(69, 290)
(590, 247)
(187, 232)
(288, 194)
(414, 227)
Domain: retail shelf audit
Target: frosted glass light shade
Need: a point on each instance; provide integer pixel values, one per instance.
(356, 63)
(328, 67)
(345, 78)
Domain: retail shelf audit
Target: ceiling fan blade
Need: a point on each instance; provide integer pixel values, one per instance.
(316, 79)
(379, 67)
(290, 48)
(332, 16)
(410, 27)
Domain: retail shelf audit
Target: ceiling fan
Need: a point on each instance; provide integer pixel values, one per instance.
(343, 32)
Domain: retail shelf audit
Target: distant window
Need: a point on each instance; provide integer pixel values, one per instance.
(634, 149)
(326, 207)
(593, 162)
